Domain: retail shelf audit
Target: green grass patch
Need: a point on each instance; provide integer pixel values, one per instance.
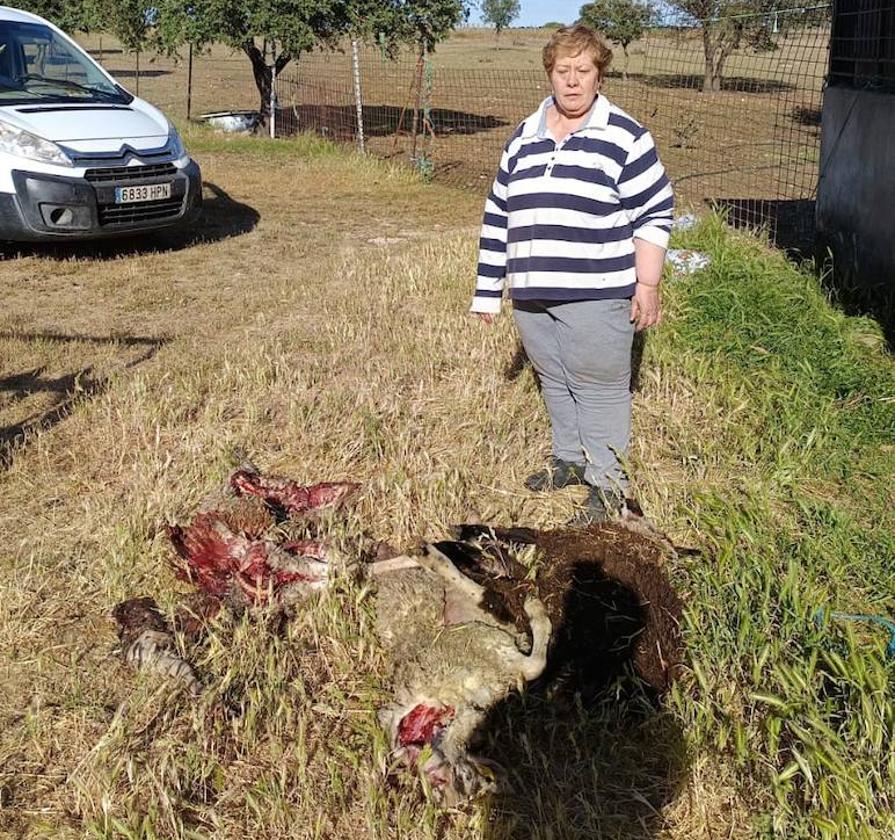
(202, 139)
(794, 500)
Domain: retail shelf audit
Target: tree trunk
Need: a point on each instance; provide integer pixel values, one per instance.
(718, 45)
(716, 53)
(262, 73)
(625, 65)
(708, 48)
(723, 55)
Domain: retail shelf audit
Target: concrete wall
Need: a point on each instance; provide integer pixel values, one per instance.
(856, 193)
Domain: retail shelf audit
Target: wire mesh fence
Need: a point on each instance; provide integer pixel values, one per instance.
(744, 137)
(862, 48)
(749, 147)
(220, 79)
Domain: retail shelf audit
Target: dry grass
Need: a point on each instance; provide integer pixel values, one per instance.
(281, 328)
(324, 356)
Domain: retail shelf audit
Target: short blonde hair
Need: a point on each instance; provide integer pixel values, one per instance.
(574, 40)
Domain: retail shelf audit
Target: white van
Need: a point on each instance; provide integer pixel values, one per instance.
(80, 157)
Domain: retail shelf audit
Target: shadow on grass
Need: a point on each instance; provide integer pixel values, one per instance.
(729, 84)
(517, 365)
(806, 115)
(339, 122)
(854, 297)
(143, 74)
(221, 217)
(588, 750)
(67, 390)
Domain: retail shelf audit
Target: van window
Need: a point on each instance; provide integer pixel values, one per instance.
(36, 65)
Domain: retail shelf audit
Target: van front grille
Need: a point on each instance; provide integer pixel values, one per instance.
(120, 174)
(139, 212)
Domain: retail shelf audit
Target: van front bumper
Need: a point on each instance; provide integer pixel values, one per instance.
(48, 207)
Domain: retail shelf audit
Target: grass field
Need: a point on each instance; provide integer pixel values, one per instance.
(756, 139)
(316, 320)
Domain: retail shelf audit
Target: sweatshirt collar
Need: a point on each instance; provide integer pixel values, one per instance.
(597, 118)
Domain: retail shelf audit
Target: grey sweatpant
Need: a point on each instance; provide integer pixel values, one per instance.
(581, 352)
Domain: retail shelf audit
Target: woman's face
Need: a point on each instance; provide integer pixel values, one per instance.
(575, 80)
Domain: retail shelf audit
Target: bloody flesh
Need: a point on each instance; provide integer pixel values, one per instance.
(289, 495)
(423, 723)
(215, 558)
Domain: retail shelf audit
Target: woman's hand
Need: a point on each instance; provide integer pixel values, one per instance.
(487, 317)
(646, 307)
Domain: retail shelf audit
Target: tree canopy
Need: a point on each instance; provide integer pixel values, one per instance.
(420, 22)
(68, 16)
(621, 21)
(130, 21)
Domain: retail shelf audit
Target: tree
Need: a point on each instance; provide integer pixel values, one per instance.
(500, 13)
(68, 16)
(726, 26)
(422, 23)
(272, 33)
(621, 21)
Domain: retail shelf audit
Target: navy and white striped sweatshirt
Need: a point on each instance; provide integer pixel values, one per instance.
(561, 218)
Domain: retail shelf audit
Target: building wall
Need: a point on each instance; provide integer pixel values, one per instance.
(856, 192)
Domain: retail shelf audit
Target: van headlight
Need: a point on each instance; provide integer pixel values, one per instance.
(175, 144)
(21, 143)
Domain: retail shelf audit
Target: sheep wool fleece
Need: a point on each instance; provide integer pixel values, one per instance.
(581, 351)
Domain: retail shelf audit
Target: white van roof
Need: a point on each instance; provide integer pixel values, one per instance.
(7, 13)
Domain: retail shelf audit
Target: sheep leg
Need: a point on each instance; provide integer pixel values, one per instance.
(393, 564)
(438, 562)
(533, 665)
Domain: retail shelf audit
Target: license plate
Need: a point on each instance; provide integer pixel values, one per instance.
(143, 192)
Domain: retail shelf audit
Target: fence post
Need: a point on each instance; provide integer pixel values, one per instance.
(138, 73)
(358, 98)
(419, 100)
(273, 100)
(189, 85)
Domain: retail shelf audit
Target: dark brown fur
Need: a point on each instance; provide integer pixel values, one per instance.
(135, 616)
(616, 570)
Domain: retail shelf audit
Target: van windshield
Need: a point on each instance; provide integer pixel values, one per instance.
(36, 65)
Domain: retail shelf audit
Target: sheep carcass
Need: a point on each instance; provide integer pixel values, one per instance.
(452, 662)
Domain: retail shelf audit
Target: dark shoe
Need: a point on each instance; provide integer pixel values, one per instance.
(602, 505)
(560, 474)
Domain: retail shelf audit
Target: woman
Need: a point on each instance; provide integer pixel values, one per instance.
(576, 225)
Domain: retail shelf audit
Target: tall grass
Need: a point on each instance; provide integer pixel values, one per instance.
(789, 464)
(764, 433)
